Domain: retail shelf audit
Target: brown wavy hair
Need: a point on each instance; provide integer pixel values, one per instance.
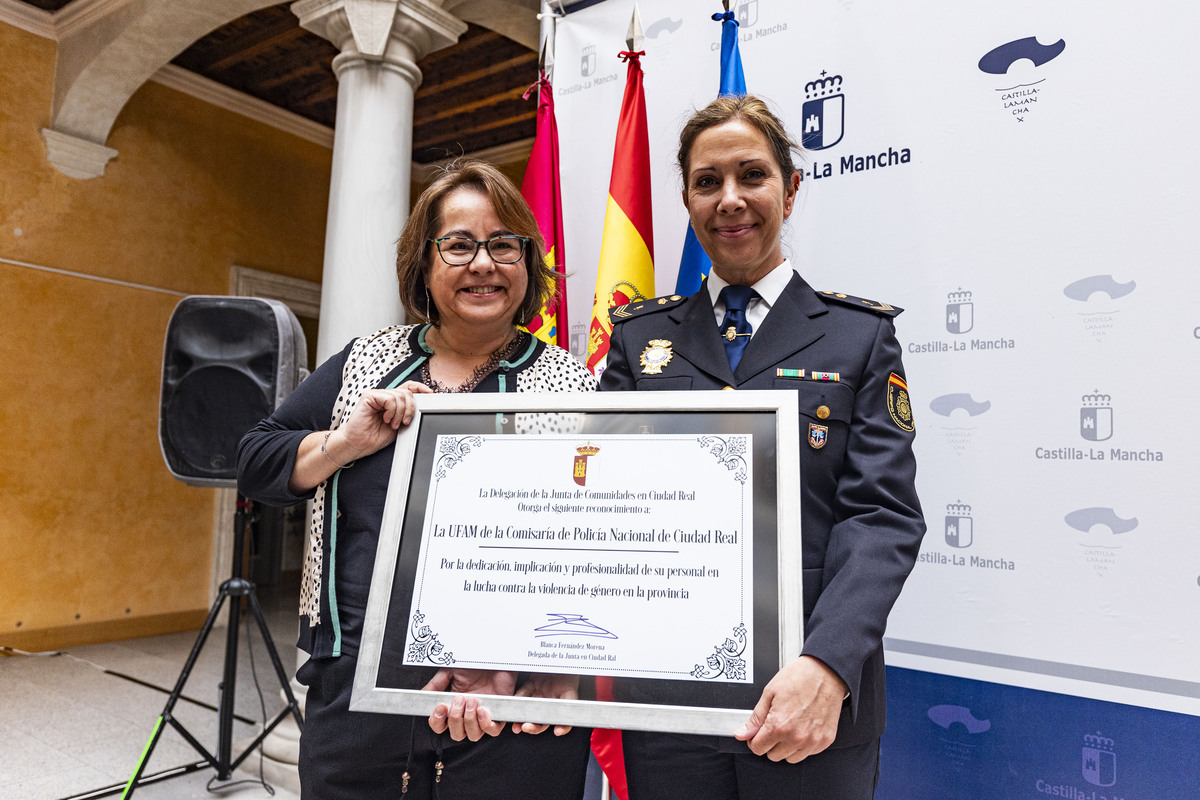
(749, 109)
(414, 249)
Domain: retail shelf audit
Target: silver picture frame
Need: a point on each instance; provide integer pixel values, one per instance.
(772, 415)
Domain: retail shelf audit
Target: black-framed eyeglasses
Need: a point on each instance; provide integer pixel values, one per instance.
(458, 251)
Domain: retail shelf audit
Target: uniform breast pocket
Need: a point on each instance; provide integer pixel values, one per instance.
(825, 411)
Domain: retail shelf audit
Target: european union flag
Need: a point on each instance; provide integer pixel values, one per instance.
(694, 264)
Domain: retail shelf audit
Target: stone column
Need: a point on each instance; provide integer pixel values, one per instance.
(380, 43)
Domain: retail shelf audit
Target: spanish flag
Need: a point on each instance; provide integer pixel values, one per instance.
(541, 189)
(626, 271)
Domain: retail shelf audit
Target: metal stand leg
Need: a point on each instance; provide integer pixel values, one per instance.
(236, 587)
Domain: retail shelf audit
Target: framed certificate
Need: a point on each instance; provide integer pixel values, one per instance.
(646, 542)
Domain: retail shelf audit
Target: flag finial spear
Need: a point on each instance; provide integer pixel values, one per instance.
(634, 36)
(546, 58)
(548, 25)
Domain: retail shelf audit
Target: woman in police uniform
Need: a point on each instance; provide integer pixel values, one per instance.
(756, 324)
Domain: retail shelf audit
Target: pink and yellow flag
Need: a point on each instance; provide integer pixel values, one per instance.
(626, 271)
(541, 189)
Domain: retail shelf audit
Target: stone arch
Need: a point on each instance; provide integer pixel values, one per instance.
(516, 19)
(99, 68)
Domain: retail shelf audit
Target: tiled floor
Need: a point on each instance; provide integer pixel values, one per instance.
(77, 722)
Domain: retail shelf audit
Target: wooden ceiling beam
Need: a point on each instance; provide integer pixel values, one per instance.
(446, 146)
(512, 64)
(242, 34)
(423, 116)
(240, 56)
(474, 130)
(475, 37)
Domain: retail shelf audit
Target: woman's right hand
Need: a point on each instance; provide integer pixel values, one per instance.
(372, 426)
(374, 421)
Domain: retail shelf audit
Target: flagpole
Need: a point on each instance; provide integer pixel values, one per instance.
(626, 269)
(548, 26)
(548, 21)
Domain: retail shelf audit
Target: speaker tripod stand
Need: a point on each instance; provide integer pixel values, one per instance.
(233, 590)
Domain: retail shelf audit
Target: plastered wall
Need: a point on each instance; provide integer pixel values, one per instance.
(97, 541)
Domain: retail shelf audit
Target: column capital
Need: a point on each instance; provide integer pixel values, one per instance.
(395, 32)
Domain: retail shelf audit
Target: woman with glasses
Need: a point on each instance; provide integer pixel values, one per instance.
(471, 270)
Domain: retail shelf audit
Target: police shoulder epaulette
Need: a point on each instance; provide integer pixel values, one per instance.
(639, 307)
(858, 302)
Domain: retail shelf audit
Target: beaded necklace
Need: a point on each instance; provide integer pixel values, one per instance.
(482, 371)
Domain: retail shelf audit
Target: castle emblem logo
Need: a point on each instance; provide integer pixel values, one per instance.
(823, 113)
(580, 471)
(960, 527)
(747, 13)
(1096, 417)
(587, 61)
(1099, 760)
(960, 312)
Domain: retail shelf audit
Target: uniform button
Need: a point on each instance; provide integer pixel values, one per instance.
(822, 412)
(728, 389)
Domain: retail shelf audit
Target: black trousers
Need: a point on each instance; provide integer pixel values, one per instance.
(660, 765)
(353, 755)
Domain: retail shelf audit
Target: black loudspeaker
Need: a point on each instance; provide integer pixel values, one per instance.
(228, 362)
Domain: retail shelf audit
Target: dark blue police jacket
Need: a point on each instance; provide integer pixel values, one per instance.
(860, 515)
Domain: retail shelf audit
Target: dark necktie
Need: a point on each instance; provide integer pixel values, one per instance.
(735, 328)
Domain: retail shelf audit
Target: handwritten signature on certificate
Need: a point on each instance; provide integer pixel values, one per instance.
(572, 625)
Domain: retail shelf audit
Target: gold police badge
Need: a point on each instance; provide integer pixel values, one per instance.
(656, 356)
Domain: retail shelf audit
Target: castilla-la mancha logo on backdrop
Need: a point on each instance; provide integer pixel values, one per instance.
(960, 312)
(1099, 295)
(1020, 62)
(587, 60)
(1103, 536)
(960, 527)
(1096, 417)
(747, 13)
(959, 409)
(824, 112)
(823, 125)
(1099, 760)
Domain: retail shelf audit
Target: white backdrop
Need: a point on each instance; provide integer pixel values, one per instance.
(1040, 236)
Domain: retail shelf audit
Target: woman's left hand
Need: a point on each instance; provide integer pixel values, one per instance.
(559, 687)
(466, 717)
